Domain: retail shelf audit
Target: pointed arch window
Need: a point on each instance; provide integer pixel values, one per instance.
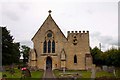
(35, 52)
(45, 47)
(49, 46)
(49, 43)
(75, 59)
(53, 46)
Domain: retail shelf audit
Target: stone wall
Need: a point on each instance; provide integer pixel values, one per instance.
(76, 43)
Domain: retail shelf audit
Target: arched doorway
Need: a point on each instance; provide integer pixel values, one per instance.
(48, 63)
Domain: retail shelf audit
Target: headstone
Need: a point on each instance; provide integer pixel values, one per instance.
(93, 72)
(105, 68)
(2, 68)
(111, 69)
(64, 70)
(114, 72)
(98, 69)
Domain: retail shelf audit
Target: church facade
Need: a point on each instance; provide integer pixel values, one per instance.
(53, 50)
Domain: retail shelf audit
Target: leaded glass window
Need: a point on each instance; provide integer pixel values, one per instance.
(53, 46)
(49, 46)
(45, 47)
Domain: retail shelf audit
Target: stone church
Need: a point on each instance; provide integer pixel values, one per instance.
(55, 51)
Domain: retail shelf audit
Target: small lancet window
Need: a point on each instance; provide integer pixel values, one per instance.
(35, 52)
(45, 47)
(53, 46)
(75, 59)
(49, 46)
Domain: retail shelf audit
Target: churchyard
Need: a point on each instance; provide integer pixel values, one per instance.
(58, 73)
(110, 57)
(81, 74)
(98, 73)
(18, 73)
(105, 72)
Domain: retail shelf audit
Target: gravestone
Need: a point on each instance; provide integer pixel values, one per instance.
(2, 68)
(98, 69)
(93, 72)
(114, 72)
(105, 68)
(64, 70)
(111, 69)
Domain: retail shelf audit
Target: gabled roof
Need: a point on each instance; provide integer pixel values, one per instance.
(49, 17)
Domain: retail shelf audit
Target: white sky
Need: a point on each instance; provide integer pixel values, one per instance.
(100, 17)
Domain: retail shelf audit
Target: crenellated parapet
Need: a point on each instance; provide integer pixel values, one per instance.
(71, 32)
(77, 33)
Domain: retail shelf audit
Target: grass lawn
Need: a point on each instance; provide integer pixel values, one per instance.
(34, 74)
(16, 75)
(37, 74)
(85, 74)
(103, 73)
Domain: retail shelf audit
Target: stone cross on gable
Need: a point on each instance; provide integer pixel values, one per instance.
(49, 11)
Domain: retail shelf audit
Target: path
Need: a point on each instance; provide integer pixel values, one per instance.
(48, 75)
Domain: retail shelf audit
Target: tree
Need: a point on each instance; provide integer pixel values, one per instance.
(96, 54)
(110, 57)
(10, 50)
(113, 57)
(25, 50)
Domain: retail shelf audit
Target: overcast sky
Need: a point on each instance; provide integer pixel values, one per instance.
(100, 17)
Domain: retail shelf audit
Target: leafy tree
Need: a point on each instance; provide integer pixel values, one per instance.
(25, 50)
(110, 57)
(103, 58)
(113, 57)
(96, 54)
(118, 58)
(10, 50)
